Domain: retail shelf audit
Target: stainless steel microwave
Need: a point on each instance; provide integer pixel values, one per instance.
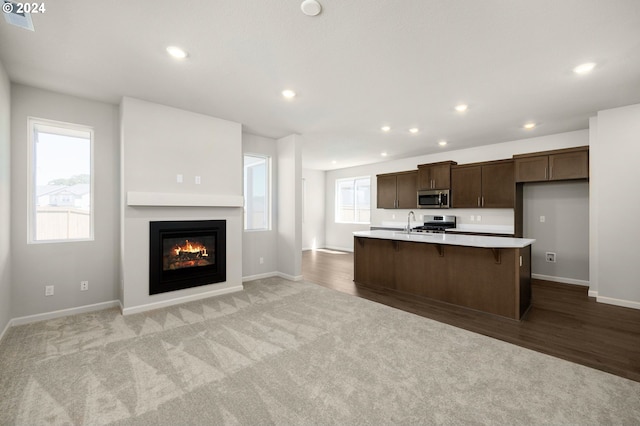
(434, 199)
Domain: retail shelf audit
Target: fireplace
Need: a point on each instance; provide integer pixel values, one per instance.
(184, 254)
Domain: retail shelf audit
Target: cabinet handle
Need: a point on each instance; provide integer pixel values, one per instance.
(482, 205)
(545, 173)
(551, 172)
(478, 201)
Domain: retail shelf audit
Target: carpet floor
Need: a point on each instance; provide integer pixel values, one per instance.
(285, 352)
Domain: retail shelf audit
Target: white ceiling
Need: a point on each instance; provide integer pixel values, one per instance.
(358, 65)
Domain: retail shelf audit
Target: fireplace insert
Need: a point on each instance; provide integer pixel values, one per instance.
(184, 254)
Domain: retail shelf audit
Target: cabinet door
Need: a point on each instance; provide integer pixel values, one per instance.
(441, 176)
(407, 191)
(386, 192)
(532, 169)
(374, 262)
(424, 177)
(498, 185)
(570, 165)
(466, 186)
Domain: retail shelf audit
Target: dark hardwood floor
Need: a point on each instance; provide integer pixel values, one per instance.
(563, 321)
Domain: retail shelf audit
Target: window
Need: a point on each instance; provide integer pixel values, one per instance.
(353, 200)
(257, 192)
(61, 183)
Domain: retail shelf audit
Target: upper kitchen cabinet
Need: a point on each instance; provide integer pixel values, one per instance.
(561, 164)
(398, 190)
(489, 185)
(435, 175)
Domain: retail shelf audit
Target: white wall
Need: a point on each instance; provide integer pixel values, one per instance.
(616, 204)
(339, 236)
(64, 265)
(262, 244)
(565, 231)
(313, 209)
(159, 142)
(5, 199)
(289, 203)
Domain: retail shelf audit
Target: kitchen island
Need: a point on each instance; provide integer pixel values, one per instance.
(490, 274)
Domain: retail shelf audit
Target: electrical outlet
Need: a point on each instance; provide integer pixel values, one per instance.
(179, 178)
(542, 219)
(478, 218)
(261, 260)
(84, 285)
(393, 216)
(48, 290)
(551, 257)
(473, 218)
(198, 180)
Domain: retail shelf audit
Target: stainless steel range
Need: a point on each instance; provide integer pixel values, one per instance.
(436, 224)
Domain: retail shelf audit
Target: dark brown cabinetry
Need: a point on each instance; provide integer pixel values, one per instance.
(397, 190)
(490, 280)
(489, 185)
(435, 175)
(563, 164)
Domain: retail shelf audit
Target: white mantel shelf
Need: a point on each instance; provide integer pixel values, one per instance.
(168, 199)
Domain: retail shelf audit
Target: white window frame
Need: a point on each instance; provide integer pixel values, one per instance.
(62, 128)
(337, 199)
(269, 195)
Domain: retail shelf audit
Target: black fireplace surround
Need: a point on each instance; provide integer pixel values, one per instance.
(188, 253)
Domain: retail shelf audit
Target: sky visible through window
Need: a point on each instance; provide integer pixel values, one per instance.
(59, 157)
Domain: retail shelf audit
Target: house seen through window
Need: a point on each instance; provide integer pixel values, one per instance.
(61, 182)
(353, 200)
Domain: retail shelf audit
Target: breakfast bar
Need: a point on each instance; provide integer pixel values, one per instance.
(485, 273)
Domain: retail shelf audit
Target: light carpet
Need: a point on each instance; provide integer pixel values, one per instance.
(285, 352)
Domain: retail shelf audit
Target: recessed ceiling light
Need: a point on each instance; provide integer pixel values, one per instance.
(289, 94)
(177, 52)
(385, 128)
(384, 154)
(461, 107)
(311, 7)
(584, 68)
(529, 126)
(414, 130)
(442, 143)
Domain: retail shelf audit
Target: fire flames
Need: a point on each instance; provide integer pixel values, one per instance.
(191, 248)
(187, 254)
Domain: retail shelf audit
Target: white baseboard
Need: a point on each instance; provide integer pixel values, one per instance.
(618, 302)
(560, 280)
(259, 276)
(593, 293)
(65, 312)
(178, 300)
(290, 277)
(9, 324)
(347, 249)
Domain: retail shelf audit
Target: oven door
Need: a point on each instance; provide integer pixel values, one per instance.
(433, 199)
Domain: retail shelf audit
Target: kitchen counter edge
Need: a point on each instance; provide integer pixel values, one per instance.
(448, 239)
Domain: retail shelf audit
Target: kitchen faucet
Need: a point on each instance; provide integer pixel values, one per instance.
(411, 213)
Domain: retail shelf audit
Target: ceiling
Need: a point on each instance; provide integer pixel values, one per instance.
(357, 66)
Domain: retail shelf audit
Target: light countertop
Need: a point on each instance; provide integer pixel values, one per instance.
(451, 239)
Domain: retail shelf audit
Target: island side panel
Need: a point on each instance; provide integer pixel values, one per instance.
(421, 270)
(374, 262)
(523, 277)
(479, 282)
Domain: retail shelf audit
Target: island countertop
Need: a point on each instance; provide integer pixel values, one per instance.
(448, 239)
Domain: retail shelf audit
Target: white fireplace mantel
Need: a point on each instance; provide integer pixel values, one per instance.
(168, 199)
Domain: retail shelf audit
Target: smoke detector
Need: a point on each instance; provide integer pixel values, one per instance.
(15, 16)
(311, 7)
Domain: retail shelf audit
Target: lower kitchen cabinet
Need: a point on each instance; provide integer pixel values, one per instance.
(497, 281)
